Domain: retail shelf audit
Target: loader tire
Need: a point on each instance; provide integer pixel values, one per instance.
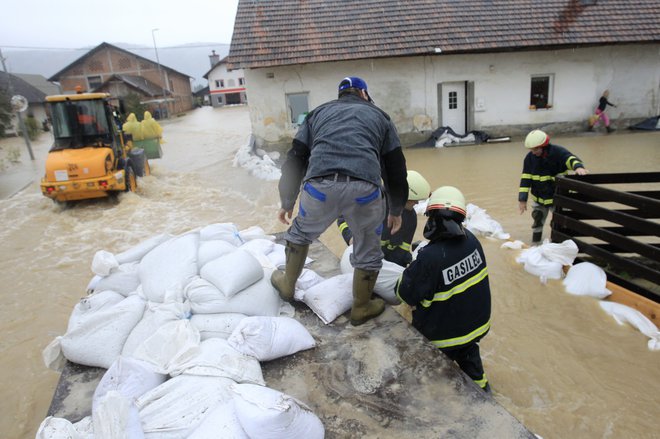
(131, 180)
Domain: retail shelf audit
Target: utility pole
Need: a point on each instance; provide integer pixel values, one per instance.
(160, 71)
(10, 89)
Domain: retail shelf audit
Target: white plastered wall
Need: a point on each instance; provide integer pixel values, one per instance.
(406, 88)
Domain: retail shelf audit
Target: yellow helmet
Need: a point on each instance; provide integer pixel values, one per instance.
(418, 187)
(536, 138)
(447, 197)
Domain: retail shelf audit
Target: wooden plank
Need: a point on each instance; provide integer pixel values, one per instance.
(626, 297)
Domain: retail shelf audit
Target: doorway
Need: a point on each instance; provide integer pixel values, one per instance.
(452, 108)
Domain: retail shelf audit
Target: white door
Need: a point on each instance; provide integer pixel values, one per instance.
(453, 106)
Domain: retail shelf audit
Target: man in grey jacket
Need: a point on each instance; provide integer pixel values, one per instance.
(341, 154)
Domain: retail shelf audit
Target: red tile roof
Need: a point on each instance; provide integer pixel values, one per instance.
(283, 32)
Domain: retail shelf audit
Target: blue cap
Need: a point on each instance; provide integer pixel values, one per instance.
(352, 82)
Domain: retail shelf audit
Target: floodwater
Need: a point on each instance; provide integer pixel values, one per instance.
(555, 361)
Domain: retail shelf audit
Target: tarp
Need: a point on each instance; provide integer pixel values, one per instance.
(650, 124)
(448, 137)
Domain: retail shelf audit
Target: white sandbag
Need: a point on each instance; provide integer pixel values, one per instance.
(331, 298)
(419, 248)
(116, 416)
(129, 377)
(172, 343)
(266, 413)
(52, 355)
(57, 428)
(625, 314)
(259, 245)
(307, 279)
(124, 280)
(255, 232)
(233, 272)
(103, 262)
(155, 316)
(223, 231)
(96, 336)
(92, 283)
(177, 407)
(217, 358)
(210, 250)
(535, 263)
(220, 422)
(169, 267)
(586, 279)
(259, 299)
(480, 223)
(564, 252)
(219, 325)
(268, 338)
(513, 245)
(386, 280)
(137, 252)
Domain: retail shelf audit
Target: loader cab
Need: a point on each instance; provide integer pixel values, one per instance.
(83, 120)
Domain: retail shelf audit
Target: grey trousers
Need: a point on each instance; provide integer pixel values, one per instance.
(539, 215)
(360, 203)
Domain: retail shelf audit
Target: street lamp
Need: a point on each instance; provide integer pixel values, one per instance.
(160, 71)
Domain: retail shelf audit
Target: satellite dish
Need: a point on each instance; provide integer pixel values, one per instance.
(18, 103)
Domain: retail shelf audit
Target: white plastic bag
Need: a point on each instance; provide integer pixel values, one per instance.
(266, 413)
(331, 298)
(624, 314)
(479, 222)
(268, 338)
(586, 279)
(172, 343)
(535, 263)
(217, 358)
(155, 316)
(233, 272)
(103, 262)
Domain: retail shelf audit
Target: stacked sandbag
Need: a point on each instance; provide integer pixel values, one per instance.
(176, 320)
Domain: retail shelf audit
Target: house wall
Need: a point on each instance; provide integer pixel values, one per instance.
(108, 61)
(231, 81)
(406, 88)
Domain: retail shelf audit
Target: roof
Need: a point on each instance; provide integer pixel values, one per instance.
(102, 46)
(40, 82)
(22, 87)
(283, 32)
(222, 61)
(139, 83)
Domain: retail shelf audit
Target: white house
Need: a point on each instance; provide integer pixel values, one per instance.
(502, 67)
(226, 86)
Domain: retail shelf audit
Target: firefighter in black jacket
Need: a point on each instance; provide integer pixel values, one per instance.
(448, 285)
(397, 246)
(542, 164)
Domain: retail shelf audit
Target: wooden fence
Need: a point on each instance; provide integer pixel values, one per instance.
(615, 220)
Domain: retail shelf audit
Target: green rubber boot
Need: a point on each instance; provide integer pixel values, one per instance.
(364, 308)
(285, 281)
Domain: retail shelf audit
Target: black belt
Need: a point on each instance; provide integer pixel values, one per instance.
(337, 177)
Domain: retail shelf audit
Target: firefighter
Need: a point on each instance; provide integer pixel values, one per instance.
(542, 164)
(447, 285)
(396, 247)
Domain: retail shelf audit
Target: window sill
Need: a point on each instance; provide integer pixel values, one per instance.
(535, 108)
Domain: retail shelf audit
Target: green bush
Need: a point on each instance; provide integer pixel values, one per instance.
(32, 127)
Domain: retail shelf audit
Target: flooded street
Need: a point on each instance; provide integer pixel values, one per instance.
(557, 362)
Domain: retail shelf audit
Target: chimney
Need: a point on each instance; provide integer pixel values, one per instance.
(214, 58)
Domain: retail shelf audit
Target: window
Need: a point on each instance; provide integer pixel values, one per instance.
(241, 81)
(298, 106)
(219, 83)
(453, 100)
(541, 92)
(93, 82)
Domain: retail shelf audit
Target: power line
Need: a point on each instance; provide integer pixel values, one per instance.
(87, 49)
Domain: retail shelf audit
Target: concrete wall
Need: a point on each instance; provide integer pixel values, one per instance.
(231, 80)
(407, 89)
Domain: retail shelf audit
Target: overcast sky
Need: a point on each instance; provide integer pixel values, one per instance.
(72, 24)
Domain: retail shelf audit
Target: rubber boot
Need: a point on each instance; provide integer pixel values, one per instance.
(364, 308)
(609, 129)
(536, 238)
(285, 281)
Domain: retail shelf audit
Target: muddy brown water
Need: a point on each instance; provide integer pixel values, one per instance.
(555, 361)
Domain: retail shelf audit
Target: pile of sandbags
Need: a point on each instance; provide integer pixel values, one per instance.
(182, 323)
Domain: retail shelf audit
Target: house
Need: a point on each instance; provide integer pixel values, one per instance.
(503, 67)
(111, 69)
(226, 86)
(35, 97)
